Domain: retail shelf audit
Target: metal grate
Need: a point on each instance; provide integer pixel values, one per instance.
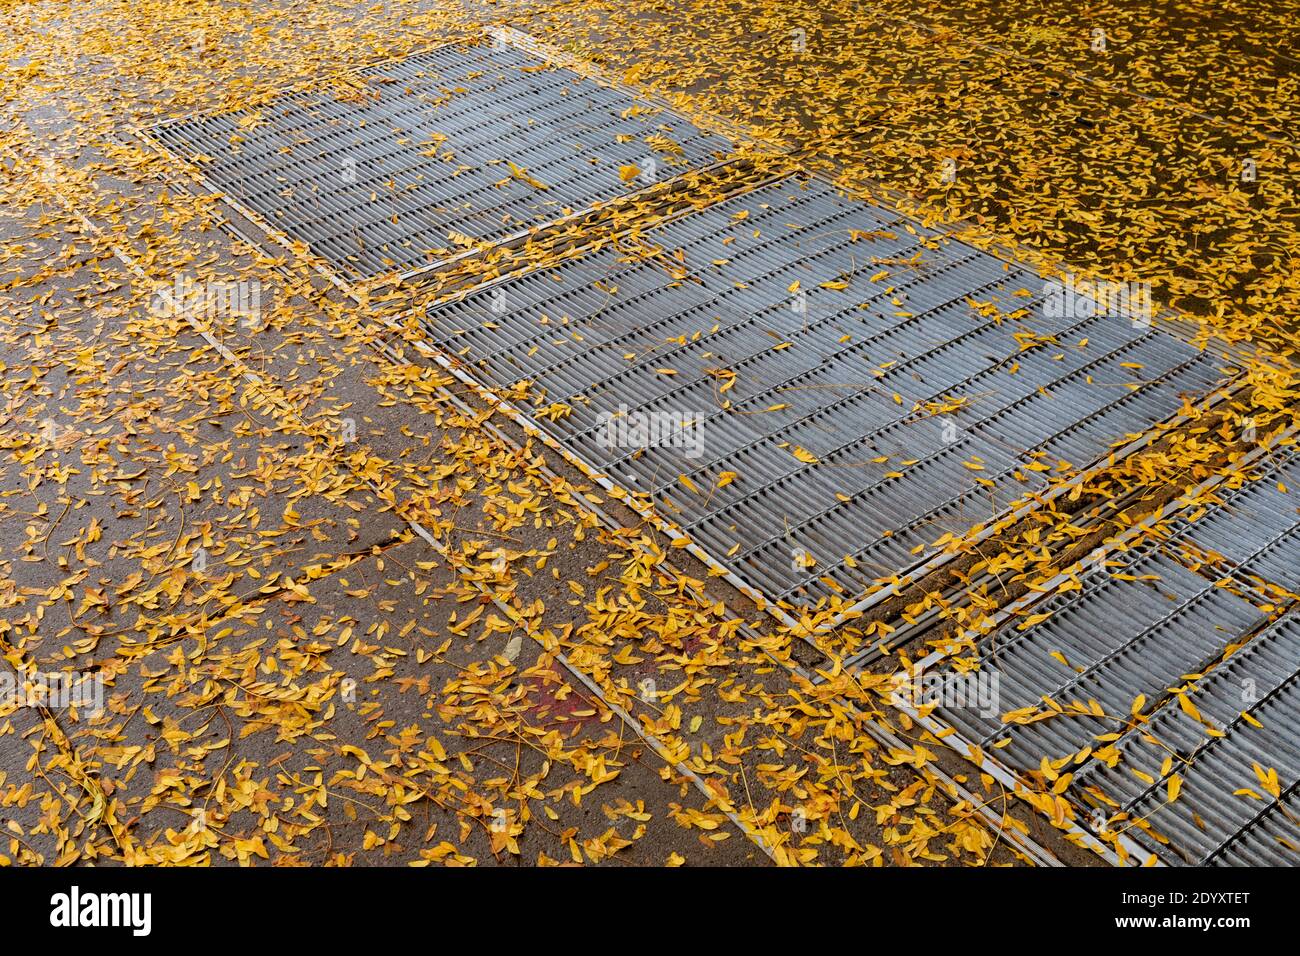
(1260, 680)
(1140, 627)
(789, 324)
(384, 175)
(1253, 533)
(1117, 639)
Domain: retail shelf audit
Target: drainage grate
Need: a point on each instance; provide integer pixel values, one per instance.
(816, 389)
(1214, 821)
(1140, 627)
(386, 174)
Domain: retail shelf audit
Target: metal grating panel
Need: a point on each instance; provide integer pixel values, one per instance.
(377, 176)
(1253, 532)
(1119, 639)
(1123, 635)
(923, 376)
(1260, 680)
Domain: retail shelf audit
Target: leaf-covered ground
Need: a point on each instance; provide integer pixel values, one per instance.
(328, 685)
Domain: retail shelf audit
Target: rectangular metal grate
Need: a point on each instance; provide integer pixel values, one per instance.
(1139, 627)
(827, 381)
(384, 175)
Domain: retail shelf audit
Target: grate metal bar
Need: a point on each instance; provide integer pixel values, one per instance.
(1272, 838)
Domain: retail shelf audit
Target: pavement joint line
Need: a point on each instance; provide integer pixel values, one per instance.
(560, 59)
(361, 291)
(1041, 855)
(61, 739)
(653, 742)
(754, 836)
(129, 261)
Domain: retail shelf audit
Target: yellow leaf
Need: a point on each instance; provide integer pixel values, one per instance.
(1034, 619)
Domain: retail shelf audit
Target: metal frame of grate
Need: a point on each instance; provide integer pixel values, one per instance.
(454, 118)
(1122, 637)
(607, 331)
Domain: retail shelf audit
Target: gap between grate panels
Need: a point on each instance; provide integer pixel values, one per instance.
(988, 761)
(480, 145)
(933, 337)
